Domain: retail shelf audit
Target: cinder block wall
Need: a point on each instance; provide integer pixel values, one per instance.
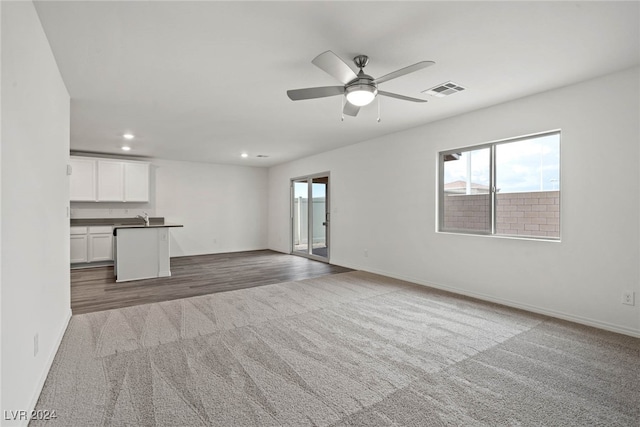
(467, 212)
(531, 214)
(521, 214)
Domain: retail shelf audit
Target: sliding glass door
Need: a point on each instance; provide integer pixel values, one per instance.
(310, 216)
(300, 217)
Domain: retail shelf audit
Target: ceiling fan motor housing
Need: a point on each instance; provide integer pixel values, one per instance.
(363, 82)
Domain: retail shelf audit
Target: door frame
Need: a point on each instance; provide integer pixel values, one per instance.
(309, 254)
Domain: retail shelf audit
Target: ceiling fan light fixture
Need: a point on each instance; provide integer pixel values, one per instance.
(361, 94)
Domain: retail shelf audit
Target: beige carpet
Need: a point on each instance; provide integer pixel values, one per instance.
(351, 349)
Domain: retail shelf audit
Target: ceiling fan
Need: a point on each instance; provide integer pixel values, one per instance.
(359, 89)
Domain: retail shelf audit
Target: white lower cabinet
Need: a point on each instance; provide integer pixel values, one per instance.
(101, 246)
(91, 244)
(78, 248)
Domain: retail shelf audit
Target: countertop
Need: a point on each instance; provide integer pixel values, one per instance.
(115, 222)
(117, 227)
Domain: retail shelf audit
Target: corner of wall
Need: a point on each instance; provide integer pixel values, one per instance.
(49, 360)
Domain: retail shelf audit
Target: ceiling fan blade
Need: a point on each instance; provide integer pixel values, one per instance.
(403, 71)
(334, 66)
(404, 98)
(350, 109)
(315, 92)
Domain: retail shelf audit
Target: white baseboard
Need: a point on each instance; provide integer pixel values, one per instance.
(49, 363)
(527, 307)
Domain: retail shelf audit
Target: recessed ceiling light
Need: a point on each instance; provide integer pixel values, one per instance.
(128, 136)
(126, 148)
(245, 155)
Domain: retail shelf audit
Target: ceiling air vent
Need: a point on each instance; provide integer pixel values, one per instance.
(444, 89)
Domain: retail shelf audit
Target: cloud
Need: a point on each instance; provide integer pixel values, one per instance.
(526, 165)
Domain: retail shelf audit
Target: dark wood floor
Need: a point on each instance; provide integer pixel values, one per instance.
(95, 289)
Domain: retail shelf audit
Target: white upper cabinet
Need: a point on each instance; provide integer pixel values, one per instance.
(136, 182)
(83, 180)
(108, 180)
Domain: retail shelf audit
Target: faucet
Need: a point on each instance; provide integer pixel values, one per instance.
(145, 218)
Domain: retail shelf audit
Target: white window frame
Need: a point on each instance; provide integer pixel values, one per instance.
(492, 187)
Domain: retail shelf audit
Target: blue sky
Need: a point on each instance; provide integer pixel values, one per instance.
(527, 165)
(301, 190)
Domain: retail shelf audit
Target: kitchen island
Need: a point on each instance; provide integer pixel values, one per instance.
(141, 251)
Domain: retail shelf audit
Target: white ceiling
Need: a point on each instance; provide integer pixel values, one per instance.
(205, 81)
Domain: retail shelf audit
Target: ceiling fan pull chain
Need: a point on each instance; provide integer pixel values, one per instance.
(342, 110)
(378, 109)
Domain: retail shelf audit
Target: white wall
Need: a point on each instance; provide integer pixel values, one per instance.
(223, 208)
(35, 229)
(1, 407)
(384, 200)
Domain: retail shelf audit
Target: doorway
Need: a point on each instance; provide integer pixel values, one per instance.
(310, 216)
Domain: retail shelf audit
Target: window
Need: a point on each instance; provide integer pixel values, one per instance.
(508, 188)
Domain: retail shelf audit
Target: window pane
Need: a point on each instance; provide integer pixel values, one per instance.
(466, 195)
(528, 187)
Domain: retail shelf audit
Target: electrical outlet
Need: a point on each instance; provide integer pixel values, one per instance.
(628, 298)
(35, 345)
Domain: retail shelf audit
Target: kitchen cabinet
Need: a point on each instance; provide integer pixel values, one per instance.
(79, 246)
(100, 244)
(136, 182)
(91, 244)
(108, 180)
(83, 179)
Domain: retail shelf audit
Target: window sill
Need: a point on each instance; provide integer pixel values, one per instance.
(501, 236)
